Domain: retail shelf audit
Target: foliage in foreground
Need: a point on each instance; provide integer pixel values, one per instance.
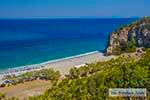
(93, 81)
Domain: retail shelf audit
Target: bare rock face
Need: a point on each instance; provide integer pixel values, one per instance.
(128, 37)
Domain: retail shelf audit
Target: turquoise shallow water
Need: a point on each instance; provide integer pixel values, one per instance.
(33, 41)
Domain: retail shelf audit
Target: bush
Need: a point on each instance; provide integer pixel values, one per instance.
(3, 85)
(2, 96)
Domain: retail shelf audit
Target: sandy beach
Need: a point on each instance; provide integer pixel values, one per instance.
(65, 65)
(62, 65)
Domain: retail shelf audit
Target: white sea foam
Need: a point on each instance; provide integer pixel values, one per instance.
(23, 69)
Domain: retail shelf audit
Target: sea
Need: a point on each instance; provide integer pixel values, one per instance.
(26, 42)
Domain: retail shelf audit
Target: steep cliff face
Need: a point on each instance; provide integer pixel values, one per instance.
(129, 37)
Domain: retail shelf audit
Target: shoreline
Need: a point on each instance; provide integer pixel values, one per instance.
(50, 61)
(63, 65)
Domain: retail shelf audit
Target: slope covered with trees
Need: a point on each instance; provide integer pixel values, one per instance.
(93, 81)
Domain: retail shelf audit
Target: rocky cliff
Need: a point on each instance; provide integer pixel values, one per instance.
(129, 37)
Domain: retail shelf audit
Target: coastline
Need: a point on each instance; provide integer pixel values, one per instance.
(63, 65)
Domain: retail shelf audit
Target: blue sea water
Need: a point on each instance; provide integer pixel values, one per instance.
(32, 41)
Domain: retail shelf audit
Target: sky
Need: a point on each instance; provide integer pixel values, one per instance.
(74, 8)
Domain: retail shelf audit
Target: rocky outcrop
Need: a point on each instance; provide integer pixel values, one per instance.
(128, 37)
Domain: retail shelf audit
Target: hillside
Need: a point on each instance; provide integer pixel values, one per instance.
(129, 37)
(93, 81)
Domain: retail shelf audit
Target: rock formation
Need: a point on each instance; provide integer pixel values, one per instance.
(129, 37)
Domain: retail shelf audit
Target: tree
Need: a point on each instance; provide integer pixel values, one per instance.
(2, 96)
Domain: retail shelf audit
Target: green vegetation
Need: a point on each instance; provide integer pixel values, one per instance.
(130, 46)
(44, 74)
(93, 81)
(2, 96)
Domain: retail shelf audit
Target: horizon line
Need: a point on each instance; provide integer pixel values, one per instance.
(72, 18)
